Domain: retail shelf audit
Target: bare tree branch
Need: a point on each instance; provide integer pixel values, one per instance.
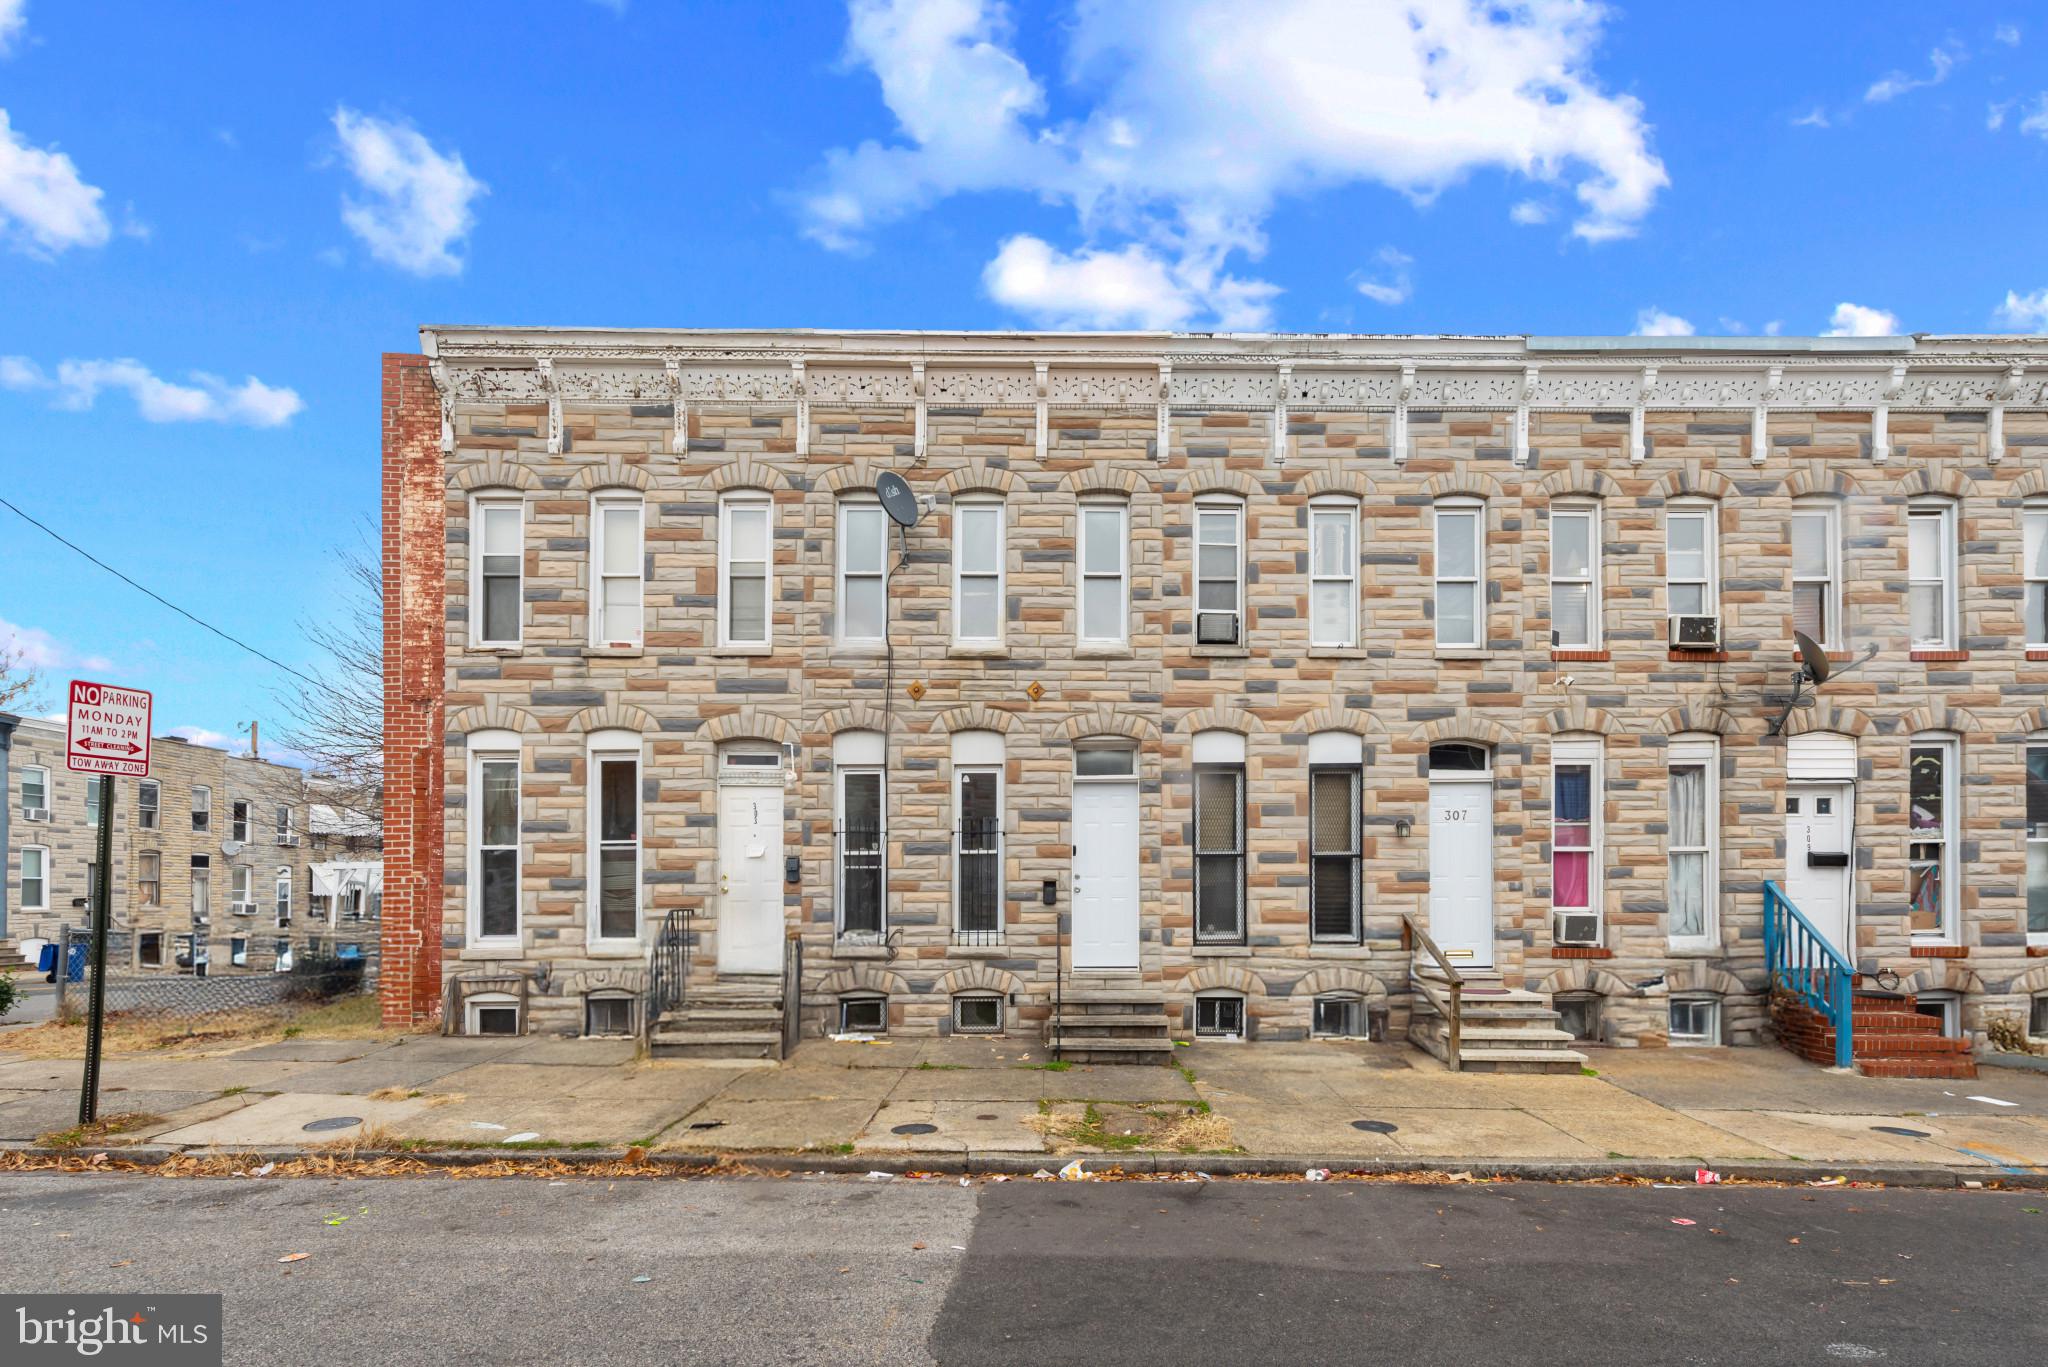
(21, 684)
(339, 725)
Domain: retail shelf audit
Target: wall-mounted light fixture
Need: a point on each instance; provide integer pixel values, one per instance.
(1402, 826)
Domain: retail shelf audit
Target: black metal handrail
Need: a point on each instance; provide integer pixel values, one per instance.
(668, 967)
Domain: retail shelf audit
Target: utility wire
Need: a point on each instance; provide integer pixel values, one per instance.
(140, 588)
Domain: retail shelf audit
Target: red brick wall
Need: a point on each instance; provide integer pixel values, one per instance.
(415, 591)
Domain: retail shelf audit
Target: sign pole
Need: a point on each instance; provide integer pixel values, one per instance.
(96, 1017)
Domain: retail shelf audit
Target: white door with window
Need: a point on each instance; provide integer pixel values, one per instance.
(1820, 859)
(750, 877)
(1461, 870)
(1105, 875)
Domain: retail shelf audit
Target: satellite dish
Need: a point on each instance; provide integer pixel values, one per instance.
(1813, 657)
(897, 500)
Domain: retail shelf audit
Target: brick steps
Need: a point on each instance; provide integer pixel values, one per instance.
(1888, 1038)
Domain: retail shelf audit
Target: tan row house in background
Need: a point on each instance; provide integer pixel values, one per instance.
(1213, 676)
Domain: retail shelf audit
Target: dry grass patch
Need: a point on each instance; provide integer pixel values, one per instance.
(202, 1036)
(100, 1131)
(1110, 1127)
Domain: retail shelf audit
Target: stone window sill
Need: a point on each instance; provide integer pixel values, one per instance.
(1220, 652)
(1337, 653)
(843, 651)
(735, 652)
(504, 652)
(1104, 652)
(1463, 653)
(616, 949)
(1939, 656)
(1332, 949)
(843, 950)
(1218, 951)
(474, 953)
(613, 653)
(962, 650)
(1579, 656)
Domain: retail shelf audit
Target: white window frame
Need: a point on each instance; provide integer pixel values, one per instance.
(201, 881)
(612, 747)
(625, 999)
(281, 894)
(1354, 1006)
(2034, 571)
(1234, 509)
(1708, 1039)
(242, 889)
(1474, 582)
(149, 798)
(848, 509)
(968, 508)
(1341, 513)
(486, 748)
(1222, 752)
(42, 789)
(859, 753)
(1243, 1016)
(149, 886)
(281, 825)
(1121, 577)
(745, 501)
(239, 821)
(978, 752)
(602, 503)
(491, 1001)
(1341, 753)
(1573, 512)
(42, 878)
(92, 800)
(1830, 513)
(2035, 836)
(875, 999)
(1707, 514)
(1592, 755)
(1939, 577)
(480, 508)
(238, 951)
(1704, 752)
(202, 808)
(1949, 837)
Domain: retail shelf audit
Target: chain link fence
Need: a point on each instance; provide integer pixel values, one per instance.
(166, 975)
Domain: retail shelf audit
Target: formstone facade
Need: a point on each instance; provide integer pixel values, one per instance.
(1570, 461)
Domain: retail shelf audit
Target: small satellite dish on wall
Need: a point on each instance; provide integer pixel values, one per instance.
(897, 500)
(1812, 657)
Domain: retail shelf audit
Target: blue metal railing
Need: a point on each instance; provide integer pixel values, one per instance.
(1802, 962)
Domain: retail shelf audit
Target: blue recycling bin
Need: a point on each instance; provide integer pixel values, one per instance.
(46, 962)
(74, 967)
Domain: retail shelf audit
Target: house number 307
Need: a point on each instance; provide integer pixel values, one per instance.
(1451, 814)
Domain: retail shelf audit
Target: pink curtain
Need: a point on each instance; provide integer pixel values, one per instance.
(1570, 871)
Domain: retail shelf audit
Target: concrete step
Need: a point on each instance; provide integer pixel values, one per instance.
(1112, 1027)
(715, 1044)
(698, 1019)
(1091, 1049)
(1112, 999)
(1520, 1061)
(1541, 1037)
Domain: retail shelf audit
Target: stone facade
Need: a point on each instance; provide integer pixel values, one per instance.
(63, 829)
(551, 422)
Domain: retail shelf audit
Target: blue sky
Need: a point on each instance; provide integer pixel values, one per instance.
(208, 231)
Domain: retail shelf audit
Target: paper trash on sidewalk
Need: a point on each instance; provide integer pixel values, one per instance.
(1706, 1175)
(1317, 1174)
(1074, 1172)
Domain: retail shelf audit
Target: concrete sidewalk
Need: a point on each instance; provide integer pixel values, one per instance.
(1325, 1101)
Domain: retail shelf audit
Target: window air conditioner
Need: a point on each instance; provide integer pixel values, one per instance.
(289, 839)
(1216, 628)
(1695, 632)
(1575, 928)
(244, 908)
(35, 814)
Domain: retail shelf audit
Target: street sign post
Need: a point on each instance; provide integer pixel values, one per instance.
(107, 733)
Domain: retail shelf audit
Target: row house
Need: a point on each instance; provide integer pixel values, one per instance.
(1218, 672)
(209, 849)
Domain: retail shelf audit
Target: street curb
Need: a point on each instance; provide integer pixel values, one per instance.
(958, 1164)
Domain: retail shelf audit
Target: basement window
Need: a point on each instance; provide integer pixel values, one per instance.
(150, 949)
(607, 1015)
(1695, 1021)
(977, 1015)
(1945, 1007)
(1338, 1018)
(492, 1015)
(863, 1015)
(1578, 1015)
(1219, 1017)
(2037, 1017)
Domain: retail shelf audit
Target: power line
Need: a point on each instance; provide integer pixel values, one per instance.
(144, 589)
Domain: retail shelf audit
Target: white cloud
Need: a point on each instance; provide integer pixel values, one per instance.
(37, 649)
(1858, 320)
(1773, 328)
(2035, 121)
(45, 207)
(1813, 118)
(2025, 312)
(1530, 212)
(1893, 84)
(1994, 115)
(1655, 322)
(1397, 286)
(1130, 288)
(13, 20)
(208, 398)
(200, 735)
(2008, 34)
(1201, 114)
(419, 206)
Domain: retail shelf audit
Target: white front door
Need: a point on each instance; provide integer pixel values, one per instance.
(1105, 875)
(750, 878)
(1461, 870)
(1819, 874)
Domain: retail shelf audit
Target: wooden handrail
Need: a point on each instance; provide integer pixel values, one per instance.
(1412, 935)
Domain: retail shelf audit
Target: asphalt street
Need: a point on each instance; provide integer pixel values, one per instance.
(845, 1270)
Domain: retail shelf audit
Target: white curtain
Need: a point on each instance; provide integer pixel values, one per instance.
(1688, 850)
